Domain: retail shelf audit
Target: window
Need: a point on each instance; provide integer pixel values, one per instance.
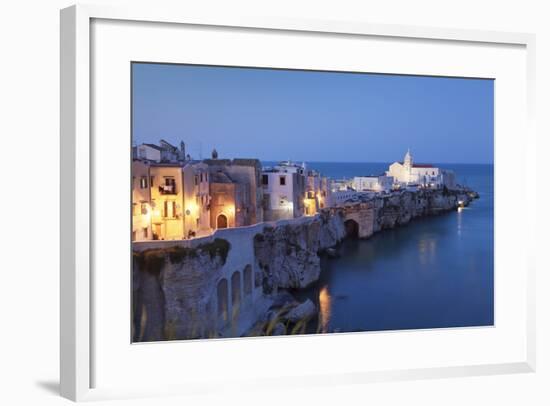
(282, 180)
(165, 213)
(174, 209)
(265, 180)
(145, 232)
(196, 180)
(206, 177)
(201, 177)
(143, 182)
(151, 181)
(143, 208)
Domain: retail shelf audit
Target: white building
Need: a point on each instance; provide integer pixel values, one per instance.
(340, 197)
(427, 175)
(165, 152)
(372, 183)
(149, 152)
(341, 184)
(284, 188)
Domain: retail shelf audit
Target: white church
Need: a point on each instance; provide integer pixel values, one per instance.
(426, 175)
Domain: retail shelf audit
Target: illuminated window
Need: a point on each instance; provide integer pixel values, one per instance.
(143, 182)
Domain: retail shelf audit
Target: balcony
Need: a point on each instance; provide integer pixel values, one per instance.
(167, 189)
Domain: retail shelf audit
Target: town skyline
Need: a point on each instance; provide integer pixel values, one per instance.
(279, 115)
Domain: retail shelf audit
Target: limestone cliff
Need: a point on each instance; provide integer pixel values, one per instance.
(288, 254)
(399, 208)
(174, 291)
(223, 284)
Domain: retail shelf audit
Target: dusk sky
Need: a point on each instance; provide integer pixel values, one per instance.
(313, 116)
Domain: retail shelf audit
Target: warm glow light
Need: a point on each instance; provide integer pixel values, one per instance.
(148, 214)
(191, 209)
(324, 309)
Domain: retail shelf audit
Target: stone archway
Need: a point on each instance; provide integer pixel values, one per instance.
(223, 298)
(221, 221)
(235, 293)
(352, 228)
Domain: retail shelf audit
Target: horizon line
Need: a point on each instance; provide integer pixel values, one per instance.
(365, 162)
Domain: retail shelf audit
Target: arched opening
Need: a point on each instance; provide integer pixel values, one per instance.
(222, 299)
(221, 222)
(247, 276)
(352, 228)
(236, 292)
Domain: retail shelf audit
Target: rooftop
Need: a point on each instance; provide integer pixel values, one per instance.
(235, 161)
(153, 146)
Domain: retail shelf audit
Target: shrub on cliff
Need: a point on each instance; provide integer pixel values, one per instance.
(153, 260)
(217, 247)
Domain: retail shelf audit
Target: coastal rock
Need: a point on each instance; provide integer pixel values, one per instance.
(288, 255)
(303, 311)
(279, 330)
(178, 286)
(188, 287)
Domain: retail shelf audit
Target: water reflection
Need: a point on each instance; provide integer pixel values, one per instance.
(324, 309)
(435, 272)
(427, 247)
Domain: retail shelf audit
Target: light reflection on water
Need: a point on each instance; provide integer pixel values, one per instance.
(433, 272)
(324, 309)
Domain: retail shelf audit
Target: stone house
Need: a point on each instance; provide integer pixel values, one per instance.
(166, 183)
(284, 188)
(196, 199)
(247, 174)
(141, 201)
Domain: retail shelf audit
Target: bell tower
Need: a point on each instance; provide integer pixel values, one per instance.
(408, 160)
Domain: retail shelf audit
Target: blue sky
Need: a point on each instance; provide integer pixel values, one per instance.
(313, 116)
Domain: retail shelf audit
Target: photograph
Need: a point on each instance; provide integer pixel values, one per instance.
(275, 202)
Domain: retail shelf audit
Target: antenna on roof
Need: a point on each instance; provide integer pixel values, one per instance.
(200, 150)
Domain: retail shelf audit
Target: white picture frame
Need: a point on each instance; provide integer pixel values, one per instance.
(77, 282)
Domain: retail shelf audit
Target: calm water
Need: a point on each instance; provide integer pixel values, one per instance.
(434, 272)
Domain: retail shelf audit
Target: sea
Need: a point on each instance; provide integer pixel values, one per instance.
(435, 272)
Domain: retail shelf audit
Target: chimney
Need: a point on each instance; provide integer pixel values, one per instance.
(181, 153)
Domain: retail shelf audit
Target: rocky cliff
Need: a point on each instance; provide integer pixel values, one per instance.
(288, 255)
(174, 290)
(399, 208)
(224, 284)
